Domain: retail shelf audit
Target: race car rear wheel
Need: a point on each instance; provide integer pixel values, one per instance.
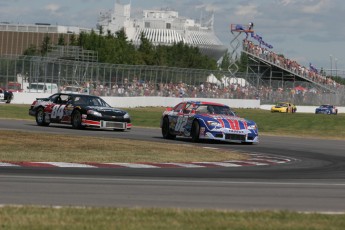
(195, 131)
(40, 117)
(166, 129)
(76, 120)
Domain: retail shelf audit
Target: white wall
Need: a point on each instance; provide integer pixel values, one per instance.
(130, 102)
(171, 101)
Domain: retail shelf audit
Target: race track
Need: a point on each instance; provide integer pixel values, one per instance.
(314, 179)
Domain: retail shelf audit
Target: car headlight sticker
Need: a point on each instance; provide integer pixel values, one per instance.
(252, 127)
(214, 123)
(95, 113)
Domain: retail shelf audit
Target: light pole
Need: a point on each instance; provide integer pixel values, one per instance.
(336, 68)
(331, 57)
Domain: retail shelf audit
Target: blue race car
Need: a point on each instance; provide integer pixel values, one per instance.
(207, 120)
(326, 109)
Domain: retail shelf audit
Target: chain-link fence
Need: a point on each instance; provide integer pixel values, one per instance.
(36, 74)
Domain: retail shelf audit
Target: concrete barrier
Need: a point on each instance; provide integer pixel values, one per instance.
(131, 102)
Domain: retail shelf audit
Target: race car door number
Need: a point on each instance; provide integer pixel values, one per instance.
(58, 111)
(181, 123)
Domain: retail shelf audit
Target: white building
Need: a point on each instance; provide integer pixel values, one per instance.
(163, 27)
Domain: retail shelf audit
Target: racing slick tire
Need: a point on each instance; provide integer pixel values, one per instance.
(195, 131)
(8, 101)
(166, 129)
(9, 97)
(40, 117)
(76, 120)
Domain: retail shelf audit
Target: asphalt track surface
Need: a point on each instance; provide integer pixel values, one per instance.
(313, 181)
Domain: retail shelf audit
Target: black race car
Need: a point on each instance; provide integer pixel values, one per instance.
(5, 96)
(80, 111)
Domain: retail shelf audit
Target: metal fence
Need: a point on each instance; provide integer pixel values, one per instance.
(128, 80)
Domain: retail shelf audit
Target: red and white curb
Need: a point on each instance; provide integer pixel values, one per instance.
(255, 160)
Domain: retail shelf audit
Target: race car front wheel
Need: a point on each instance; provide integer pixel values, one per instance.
(76, 120)
(40, 118)
(166, 129)
(195, 131)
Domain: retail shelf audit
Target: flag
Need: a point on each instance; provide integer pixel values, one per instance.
(312, 68)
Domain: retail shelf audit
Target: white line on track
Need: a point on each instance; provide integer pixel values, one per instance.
(179, 181)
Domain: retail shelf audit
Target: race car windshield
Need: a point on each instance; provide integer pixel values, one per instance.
(325, 106)
(90, 101)
(98, 102)
(215, 109)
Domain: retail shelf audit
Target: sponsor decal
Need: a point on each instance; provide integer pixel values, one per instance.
(90, 122)
(221, 122)
(202, 131)
(231, 131)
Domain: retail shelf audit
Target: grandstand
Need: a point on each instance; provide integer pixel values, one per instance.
(280, 75)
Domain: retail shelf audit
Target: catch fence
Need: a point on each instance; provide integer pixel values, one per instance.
(138, 80)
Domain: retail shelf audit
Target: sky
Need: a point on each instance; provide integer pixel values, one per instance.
(307, 31)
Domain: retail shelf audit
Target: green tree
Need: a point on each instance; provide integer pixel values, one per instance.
(224, 65)
(339, 80)
(45, 46)
(31, 51)
(146, 50)
(161, 56)
(73, 40)
(124, 51)
(61, 40)
(116, 49)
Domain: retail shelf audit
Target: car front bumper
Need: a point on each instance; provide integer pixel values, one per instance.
(240, 137)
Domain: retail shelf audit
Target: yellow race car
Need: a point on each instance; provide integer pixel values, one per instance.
(284, 107)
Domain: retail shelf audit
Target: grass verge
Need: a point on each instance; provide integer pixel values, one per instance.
(124, 218)
(68, 148)
(298, 124)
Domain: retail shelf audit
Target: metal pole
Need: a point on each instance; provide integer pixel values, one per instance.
(336, 68)
(331, 57)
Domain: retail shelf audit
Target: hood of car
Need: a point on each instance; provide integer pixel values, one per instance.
(107, 110)
(231, 122)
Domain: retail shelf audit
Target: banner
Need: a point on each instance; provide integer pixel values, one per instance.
(261, 41)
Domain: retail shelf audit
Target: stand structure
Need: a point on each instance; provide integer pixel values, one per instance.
(236, 44)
